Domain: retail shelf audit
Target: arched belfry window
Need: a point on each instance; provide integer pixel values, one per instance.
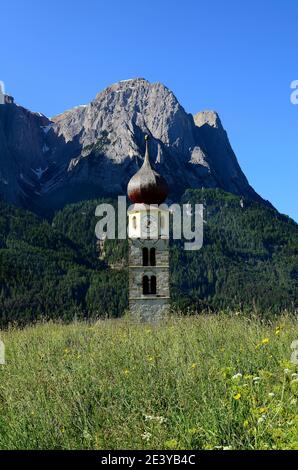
(152, 257)
(146, 289)
(162, 221)
(149, 285)
(145, 253)
(153, 285)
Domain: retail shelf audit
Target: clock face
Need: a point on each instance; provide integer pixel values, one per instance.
(149, 224)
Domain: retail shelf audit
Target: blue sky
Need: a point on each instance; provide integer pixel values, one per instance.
(237, 58)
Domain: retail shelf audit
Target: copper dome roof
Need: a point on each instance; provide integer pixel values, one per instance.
(147, 186)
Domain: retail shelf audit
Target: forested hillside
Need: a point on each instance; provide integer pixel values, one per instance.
(45, 274)
(53, 269)
(249, 257)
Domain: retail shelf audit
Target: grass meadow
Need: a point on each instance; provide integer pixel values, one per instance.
(203, 382)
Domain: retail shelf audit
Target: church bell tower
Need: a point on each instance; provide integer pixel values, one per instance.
(148, 232)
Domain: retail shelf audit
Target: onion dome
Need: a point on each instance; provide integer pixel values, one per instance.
(147, 186)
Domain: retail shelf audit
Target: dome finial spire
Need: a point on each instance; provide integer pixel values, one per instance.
(147, 186)
(147, 137)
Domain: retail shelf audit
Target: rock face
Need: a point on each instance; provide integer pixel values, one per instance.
(93, 150)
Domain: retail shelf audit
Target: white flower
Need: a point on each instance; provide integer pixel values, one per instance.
(293, 401)
(223, 447)
(149, 418)
(237, 376)
(271, 394)
(256, 379)
(286, 371)
(158, 419)
(146, 436)
(261, 419)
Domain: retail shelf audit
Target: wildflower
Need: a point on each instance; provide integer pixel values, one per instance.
(158, 419)
(256, 380)
(262, 410)
(150, 359)
(149, 418)
(271, 394)
(277, 330)
(146, 436)
(245, 423)
(265, 341)
(194, 365)
(192, 431)
(286, 371)
(237, 396)
(261, 419)
(237, 376)
(171, 444)
(126, 371)
(86, 434)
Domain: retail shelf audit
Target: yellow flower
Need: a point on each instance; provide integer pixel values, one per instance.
(150, 358)
(171, 444)
(192, 431)
(277, 330)
(194, 365)
(262, 410)
(237, 396)
(245, 423)
(126, 371)
(265, 341)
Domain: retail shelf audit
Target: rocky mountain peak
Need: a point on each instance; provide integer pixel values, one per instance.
(93, 150)
(210, 118)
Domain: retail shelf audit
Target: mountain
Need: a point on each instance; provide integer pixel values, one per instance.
(93, 150)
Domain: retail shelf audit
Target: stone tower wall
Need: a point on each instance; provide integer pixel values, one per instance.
(149, 307)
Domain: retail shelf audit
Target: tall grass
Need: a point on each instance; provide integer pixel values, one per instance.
(203, 382)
